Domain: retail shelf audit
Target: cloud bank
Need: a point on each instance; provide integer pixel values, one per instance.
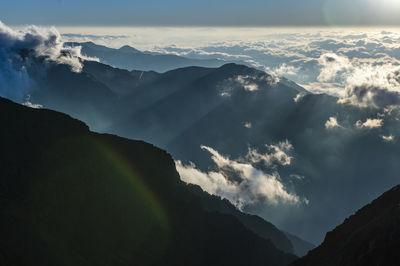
(29, 52)
(242, 183)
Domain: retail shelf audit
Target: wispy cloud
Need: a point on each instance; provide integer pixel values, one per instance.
(279, 154)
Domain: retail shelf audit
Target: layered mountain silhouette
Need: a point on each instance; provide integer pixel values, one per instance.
(130, 58)
(231, 109)
(69, 196)
(283, 241)
(369, 237)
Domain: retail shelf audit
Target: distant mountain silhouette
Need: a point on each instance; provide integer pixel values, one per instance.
(130, 58)
(369, 237)
(69, 196)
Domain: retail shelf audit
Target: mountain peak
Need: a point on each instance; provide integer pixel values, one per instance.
(129, 49)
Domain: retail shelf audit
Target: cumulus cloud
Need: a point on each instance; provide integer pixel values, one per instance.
(373, 86)
(251, 185)
(361, 82)
(369, 123)
(332, 123)
(31, 51)
(332, 64)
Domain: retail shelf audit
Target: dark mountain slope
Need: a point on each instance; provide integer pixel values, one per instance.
(369, 237)
(254, 223)
(72, 197)
(189, 102)
(122, 82)
(78, 94)
(300, 246)
(130, 58)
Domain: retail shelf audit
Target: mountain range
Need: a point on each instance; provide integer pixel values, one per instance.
(130, 58)
(232, 109)
(69, 196)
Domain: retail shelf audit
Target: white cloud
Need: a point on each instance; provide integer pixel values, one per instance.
(31, 50)
(332, 64)
(283, 70)
(332, 123)
(248, 83)
(278, 154)
(373, 86)
(251, 186)
(388, 138)
(247, 125)
(298, 97)
(32, 105)
(369, 123)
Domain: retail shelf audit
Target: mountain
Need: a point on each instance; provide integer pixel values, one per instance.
(232, 109)
(369, 237)
(130, 93)
(69, 196)
(254, 223)
(300, 246)
(130, 58)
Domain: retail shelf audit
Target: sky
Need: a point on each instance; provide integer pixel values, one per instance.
(201, 12)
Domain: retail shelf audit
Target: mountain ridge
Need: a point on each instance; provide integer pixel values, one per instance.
(127, 57)
(371, 236)
(185, 108)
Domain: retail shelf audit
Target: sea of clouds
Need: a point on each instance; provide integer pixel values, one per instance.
(361, 66)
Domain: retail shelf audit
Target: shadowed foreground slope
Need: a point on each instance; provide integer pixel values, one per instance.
(72, 197)
(369, 237)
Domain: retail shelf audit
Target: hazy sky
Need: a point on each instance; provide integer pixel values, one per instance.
(201, 12)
